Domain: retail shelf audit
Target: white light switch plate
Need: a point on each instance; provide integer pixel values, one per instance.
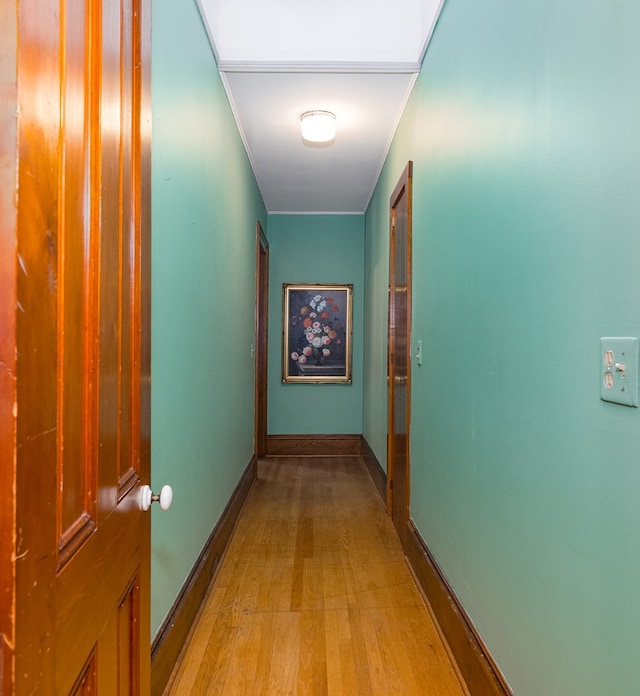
(619, 370)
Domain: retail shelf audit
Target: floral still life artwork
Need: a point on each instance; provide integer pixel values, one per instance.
(317, 333)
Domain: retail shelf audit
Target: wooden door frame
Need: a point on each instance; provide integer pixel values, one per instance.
(261, 341)
(8, 292)
(404, 185)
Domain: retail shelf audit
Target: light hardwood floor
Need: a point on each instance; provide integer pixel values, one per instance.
(314, 597)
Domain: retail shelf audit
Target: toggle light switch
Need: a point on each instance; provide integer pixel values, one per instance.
(419, 352)
(619, 370)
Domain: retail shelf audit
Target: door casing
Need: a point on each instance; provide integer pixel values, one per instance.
(399, 353)
(261, 341)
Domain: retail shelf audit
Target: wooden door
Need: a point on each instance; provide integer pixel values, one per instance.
(80, 226)
(262, 311)
(399, 355)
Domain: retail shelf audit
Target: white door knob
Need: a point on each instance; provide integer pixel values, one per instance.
(147, 497)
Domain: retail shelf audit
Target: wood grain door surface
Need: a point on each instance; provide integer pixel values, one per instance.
(399, 361)
(81, 417)
(261, 354)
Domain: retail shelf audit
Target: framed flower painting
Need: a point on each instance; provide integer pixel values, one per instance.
(316, 333)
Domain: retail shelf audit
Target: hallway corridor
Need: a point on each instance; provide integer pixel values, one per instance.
(314, 597)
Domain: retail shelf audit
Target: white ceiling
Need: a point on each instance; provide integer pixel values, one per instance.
(356, 58)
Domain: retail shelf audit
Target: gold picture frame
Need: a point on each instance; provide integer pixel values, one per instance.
(316, 333)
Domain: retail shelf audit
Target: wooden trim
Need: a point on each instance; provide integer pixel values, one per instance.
(331, 67)
(399, 357)
(313, 445)
(477, 667)
(376, 472)
(261, 342)
(173, 634)
(9, 109)
(403, 189)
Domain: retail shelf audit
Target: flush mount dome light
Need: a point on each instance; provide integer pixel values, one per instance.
(318, 126)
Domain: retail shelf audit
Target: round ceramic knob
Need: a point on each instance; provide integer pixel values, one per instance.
(165, 498)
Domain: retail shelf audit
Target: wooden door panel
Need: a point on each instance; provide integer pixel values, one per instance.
(77, 609)
(82, 345)
(110, 269)
(127, 258)
(127, 639)
(75, 328)
(36, 528)
(86, 684)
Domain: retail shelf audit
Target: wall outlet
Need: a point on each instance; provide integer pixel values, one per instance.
(619, 370)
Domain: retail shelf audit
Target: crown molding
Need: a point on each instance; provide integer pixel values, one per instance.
(315, 212)
(248, 66)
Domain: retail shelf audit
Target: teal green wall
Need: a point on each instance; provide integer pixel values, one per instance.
(205, 207)
(314, 249)
(523, 128)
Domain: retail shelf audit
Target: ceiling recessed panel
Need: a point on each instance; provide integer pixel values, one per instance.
(332, 30)
(296, 176)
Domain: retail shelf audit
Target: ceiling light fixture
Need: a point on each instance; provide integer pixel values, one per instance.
(318, 126)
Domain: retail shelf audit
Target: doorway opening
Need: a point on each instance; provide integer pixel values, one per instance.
(261, 362)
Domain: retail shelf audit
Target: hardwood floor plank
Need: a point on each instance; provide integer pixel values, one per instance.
(396, 658)
(312, 656)
(247, 666)
(313, 596)
(214, 667)
(431, 658)
(283, 670)
(347, 656)
(335, 684)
